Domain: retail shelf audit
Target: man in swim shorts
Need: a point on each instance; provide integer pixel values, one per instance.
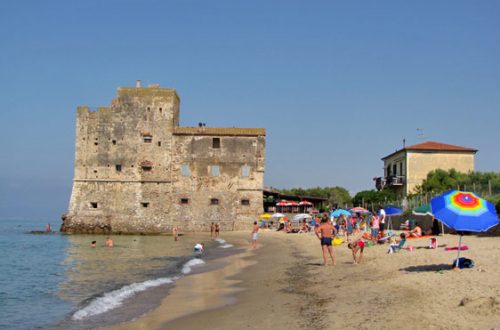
(255, 235)
(325, 233)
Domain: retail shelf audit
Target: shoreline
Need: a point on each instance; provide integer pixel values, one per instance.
(284, 285)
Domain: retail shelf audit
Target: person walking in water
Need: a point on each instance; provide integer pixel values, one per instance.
(175, 233)
(255, 235)
(325, 233)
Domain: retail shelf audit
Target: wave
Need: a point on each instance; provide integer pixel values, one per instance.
(193, 262)
(114, 299)
(226, 246)
(220, 240)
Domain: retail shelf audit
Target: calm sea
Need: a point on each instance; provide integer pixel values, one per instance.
(59, 282)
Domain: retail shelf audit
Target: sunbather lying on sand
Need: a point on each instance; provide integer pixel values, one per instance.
(416, 232)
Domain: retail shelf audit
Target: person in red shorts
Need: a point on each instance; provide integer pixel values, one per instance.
(357, 246)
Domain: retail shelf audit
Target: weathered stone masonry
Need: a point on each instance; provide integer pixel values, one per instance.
(137, 171)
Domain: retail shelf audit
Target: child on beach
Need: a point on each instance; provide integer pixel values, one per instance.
(255, 235)
(356, 246)
(375, 227)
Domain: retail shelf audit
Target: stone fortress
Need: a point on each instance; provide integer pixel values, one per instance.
(138, 171)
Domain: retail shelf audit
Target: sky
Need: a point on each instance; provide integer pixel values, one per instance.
(337, 84)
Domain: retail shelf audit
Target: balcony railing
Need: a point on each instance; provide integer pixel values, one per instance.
(389, 181)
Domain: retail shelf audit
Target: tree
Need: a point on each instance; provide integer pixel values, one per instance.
(374, 197)
(335, 196)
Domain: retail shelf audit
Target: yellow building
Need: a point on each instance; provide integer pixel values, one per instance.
(406, 168)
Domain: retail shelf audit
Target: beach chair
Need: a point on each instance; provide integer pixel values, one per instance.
(396, 247)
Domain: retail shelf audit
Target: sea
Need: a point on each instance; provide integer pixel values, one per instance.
(58, 281)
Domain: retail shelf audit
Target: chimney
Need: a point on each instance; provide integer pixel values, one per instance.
(137, 84)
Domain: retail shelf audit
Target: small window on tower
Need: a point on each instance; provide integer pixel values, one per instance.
(214, 201)
(118, 167)
(245, 202)
(185, 171)
(93, 205)
(159, 143)
(145, 204)
(114, 142)
(148, 138)
(245, 171)
(214, 171)
(216, 143)
(184, 200)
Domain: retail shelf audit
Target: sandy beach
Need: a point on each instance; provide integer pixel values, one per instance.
(283, 285)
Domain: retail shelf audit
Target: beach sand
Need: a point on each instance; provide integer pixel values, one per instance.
(283, 285)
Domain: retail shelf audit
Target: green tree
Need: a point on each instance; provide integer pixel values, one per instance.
(369, 197)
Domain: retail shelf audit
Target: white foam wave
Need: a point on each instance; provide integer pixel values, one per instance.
(115, 298)
(188, 265)
(220, 240)
(225, 246)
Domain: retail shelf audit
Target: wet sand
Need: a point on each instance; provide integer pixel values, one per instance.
(283, 285)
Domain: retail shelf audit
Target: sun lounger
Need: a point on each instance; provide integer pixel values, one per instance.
(396, 247)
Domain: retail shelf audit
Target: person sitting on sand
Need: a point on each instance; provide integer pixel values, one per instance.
(416, 232)
(289, 228)
(304, 228)
(199, 247)
(356, 246)
(93, 244)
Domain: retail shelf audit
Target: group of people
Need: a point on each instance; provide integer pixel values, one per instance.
(109, 243)
(214, 230)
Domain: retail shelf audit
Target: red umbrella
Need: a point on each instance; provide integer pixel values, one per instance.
(305, 203)
(292, 203)
(282, 203)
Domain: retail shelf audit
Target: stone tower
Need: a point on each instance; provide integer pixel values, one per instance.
(137, 171)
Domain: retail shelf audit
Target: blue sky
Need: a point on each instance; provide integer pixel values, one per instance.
(337, 84)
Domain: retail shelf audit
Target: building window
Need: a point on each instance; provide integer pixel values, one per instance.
(245, 202)
(93, 205)
(96, 143)
(401, 168)
(245, 171)
(148, 138)
(159, 143)
(161, 110)
(216, 143)
(184, 200)
(147, 166)
(145, 204)
(185, 171)
(118, 167)
(114, 142)
(394, 169)
(214, 171)
(214, 201)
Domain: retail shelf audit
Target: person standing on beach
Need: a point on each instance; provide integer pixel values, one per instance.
(325, 233)
(382, 220)
(375, 227)
(212, 230)
(255, 235)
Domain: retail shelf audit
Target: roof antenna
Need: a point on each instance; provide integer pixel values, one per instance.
(404, 143)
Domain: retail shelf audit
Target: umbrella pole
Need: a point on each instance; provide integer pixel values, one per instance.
(458, 254)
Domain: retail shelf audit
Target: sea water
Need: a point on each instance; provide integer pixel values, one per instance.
(56, 281)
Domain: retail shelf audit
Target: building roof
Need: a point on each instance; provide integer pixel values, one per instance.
(434, 146)
(219, 131)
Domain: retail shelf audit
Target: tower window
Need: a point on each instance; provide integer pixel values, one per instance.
(245, 202)
(185, 171)
(184, 200)
(148, 138)
(214, 201)
(145, 204)
(216, 143)
(93, 205)
(245, 171)
(118, 167)
(159, 143)
(214, 170)
(114, 142)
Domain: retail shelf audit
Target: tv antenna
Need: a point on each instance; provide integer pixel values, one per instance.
(420, 133)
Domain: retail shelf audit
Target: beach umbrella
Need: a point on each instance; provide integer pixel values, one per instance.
(305, 203)
(282, 203)
(339, 212)
(391, 210)
(265, 216)
(464, 211)
(359, 209)
(301, 216)
(424, 209)
(277, 215)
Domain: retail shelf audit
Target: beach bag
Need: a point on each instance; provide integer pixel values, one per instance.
(463, 263)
